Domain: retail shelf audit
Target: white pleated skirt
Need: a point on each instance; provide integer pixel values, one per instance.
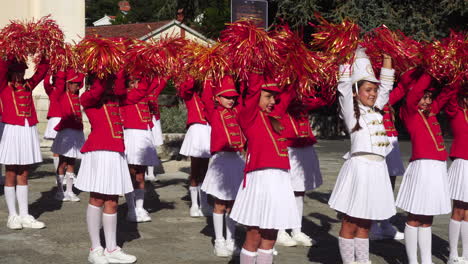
(394, 161)
(139, 147)
(305, 169)
(157, 132)
(197, 141)
(363, 190)
(224, 175)
(267, 201)
(68, 143)
(50, 133)
(458, 180)
(424, 189)
(104, 172)
(19, 145)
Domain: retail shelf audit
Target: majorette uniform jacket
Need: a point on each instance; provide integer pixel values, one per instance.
(195, 107)
(138, 116)
(459, 123)
(226, 134)
(424, 129)
(54, 105)
(153, 98)
(265, 147)
(372, 137)
(104, 113)
(396, 95)
(70, 107)
(18, 103)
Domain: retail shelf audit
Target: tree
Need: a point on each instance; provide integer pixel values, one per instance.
(96, 9)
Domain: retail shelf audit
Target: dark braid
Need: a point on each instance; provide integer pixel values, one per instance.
(357, 114)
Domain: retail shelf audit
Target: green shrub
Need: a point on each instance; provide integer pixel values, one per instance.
(173, 119)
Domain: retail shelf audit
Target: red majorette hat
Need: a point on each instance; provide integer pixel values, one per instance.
(227, 88)
(271, 85)
(75, 77)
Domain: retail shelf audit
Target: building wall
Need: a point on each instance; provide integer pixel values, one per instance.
(69, 14)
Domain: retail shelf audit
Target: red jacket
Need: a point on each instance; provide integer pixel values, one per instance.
(18, 103)
(226, 134)
(459, 123)
(137, 115)
(69, 103)
(424, 129)
(153, 98)
(54, 105)
(193, 103)
(265, 147)
(104, 113)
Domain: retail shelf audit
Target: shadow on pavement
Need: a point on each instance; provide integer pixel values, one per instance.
(45, 203)
(319, 196)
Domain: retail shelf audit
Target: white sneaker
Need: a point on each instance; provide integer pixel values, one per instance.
(60, 196)
(302, 239)
(118, 256)
(220, 249)
(149, 177)
(72, 197)
(457, 260)
(30, 222)
(96, 256)
(14, 222)
(195, 212)
(232, 248)
(143, 216)
(285, 240)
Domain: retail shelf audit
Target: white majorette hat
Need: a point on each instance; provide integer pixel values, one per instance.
(362, 67)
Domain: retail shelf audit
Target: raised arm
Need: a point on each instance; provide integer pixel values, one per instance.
(92, 97)
(60, 86)
(135, 95)
(443, 98)
(207, 98)
(386, 82)
(185, 90)
(4, 73)
(416, 92)
(39, 75)
(452, 106)
(285, 99)
(345, 97)
(250, 109)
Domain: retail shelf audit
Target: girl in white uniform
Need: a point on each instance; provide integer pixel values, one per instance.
(363, 191)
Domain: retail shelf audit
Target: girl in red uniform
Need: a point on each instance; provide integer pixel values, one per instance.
(156, 129)
(104, 169)
(139, 147)
(19, 144)
(265, 201)
(363, 192)
(305, 168)
(70, 137)
(53, 115)
(457, 110)
(196, 144)
(226, 167)
(424, 191)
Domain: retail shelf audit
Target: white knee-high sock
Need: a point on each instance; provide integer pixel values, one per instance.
(70, 176)
(230, 227)
(361, 249)
(109, 223)
(346, 250)
(56, 162)
(151, 170)
(218, 226)
(247, 257)
(425, 244)
(139, 198)
(10, 198)
(59, 179)
(300, 210)
(464, 235)
(130, 198)
(194, 196)
(264, 256)
(22, 197)
(411, 243)
(94, 220)
(454, 235)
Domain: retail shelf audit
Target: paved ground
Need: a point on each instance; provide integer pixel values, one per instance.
(173, 237)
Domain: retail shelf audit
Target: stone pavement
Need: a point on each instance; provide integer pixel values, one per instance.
(172, 236)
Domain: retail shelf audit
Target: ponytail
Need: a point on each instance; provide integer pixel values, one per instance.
(357, 114)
